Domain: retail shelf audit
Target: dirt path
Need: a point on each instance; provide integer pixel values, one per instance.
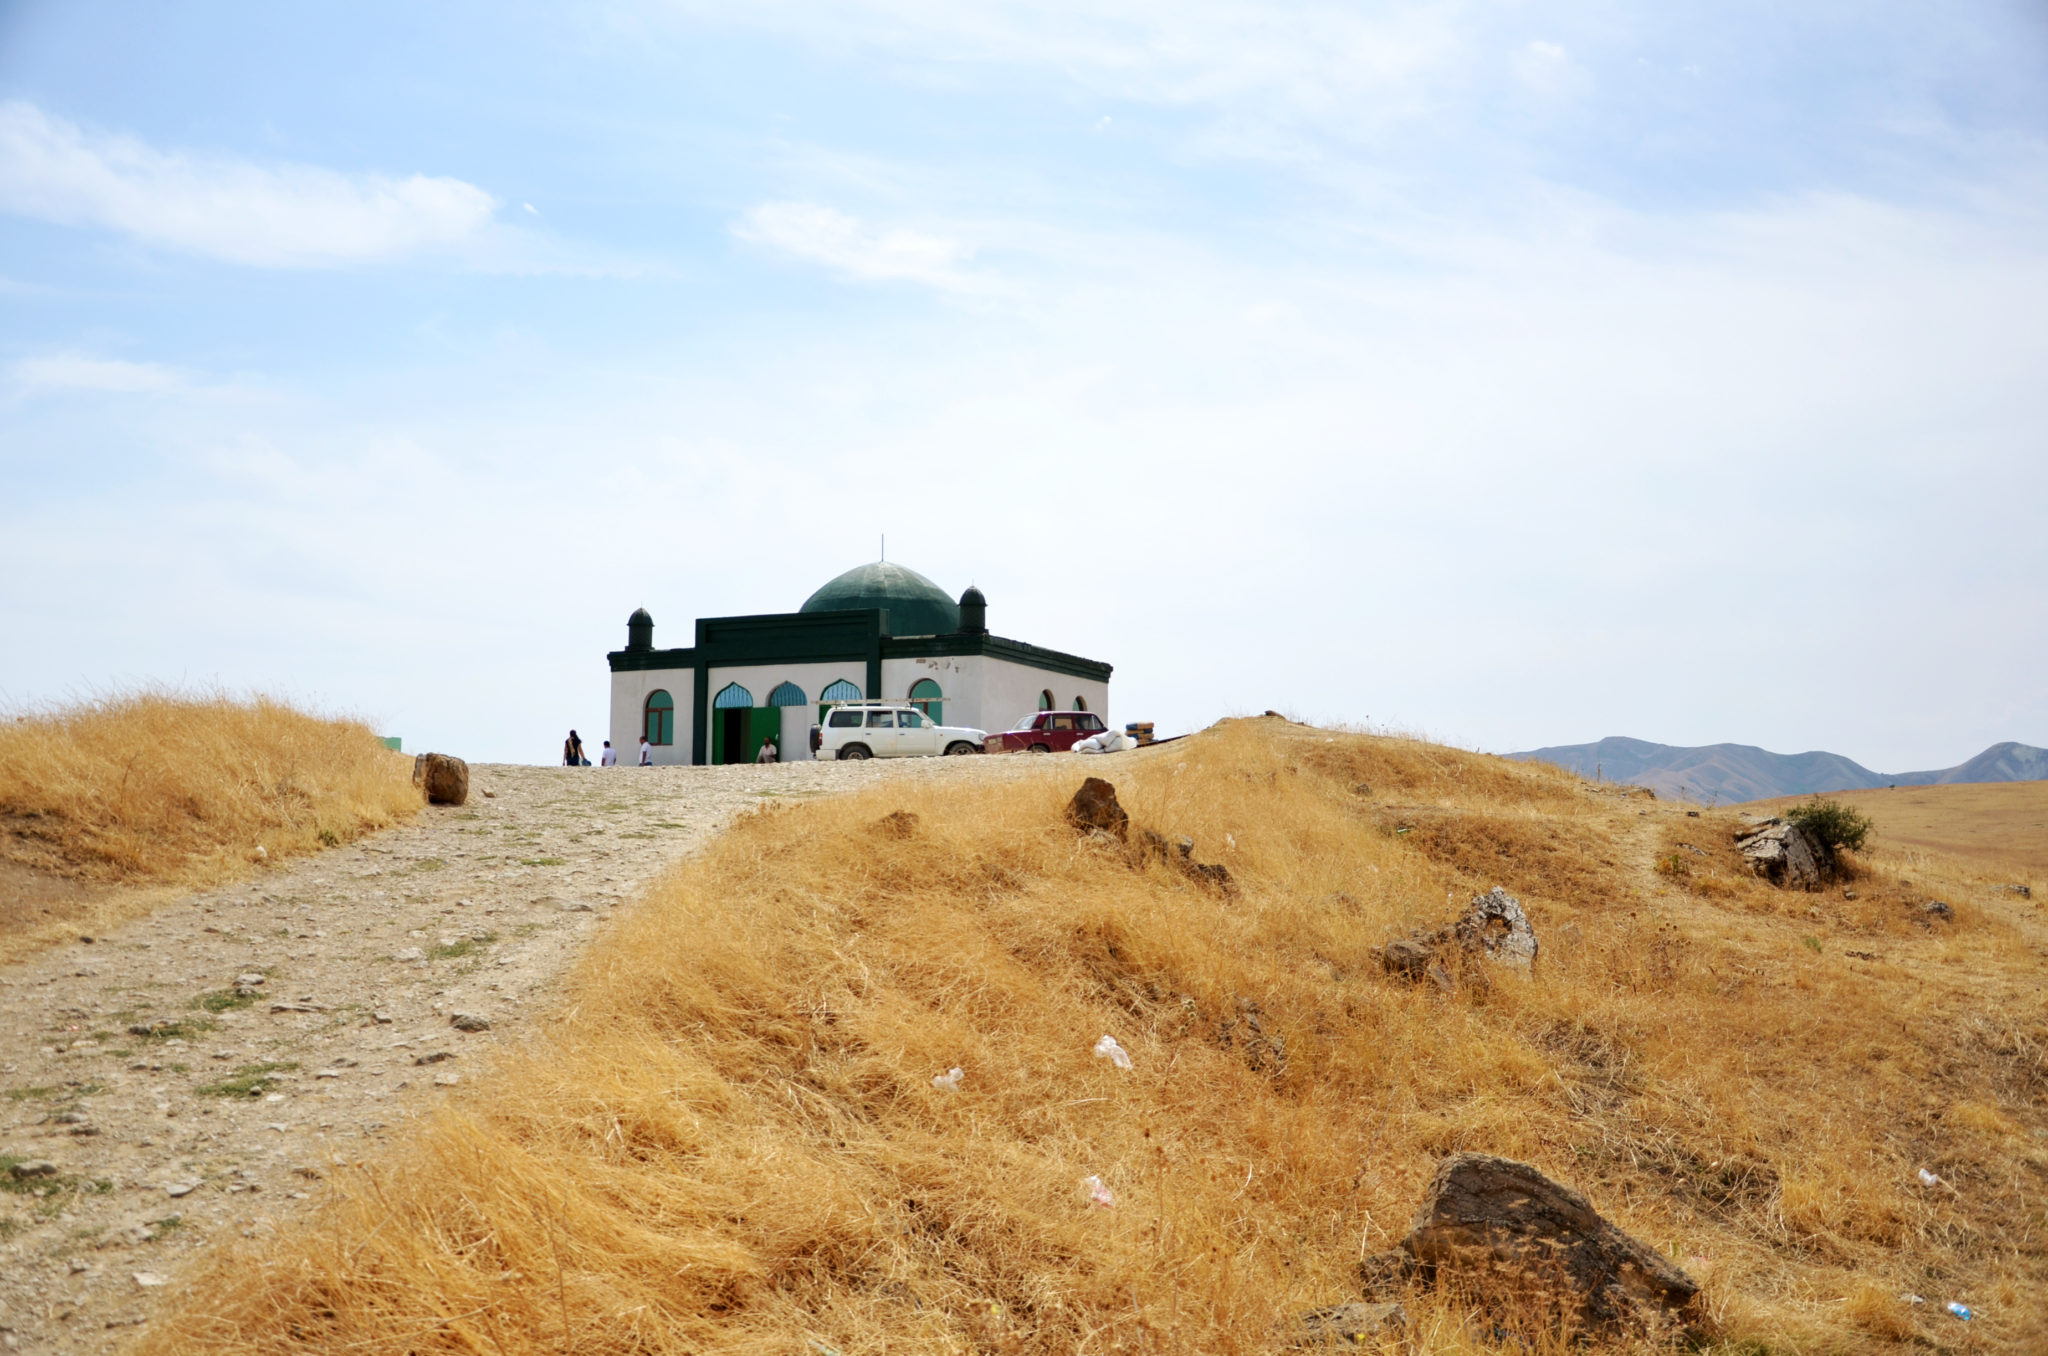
(194, 1073)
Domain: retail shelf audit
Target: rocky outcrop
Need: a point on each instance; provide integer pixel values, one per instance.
(443, 777)
(1494, 928)
(1511, 1236)
(1785, 854)
(1094, 810)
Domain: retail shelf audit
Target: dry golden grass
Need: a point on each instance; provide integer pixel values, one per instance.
(158, 789)
(729, 1140)
(2002, 827)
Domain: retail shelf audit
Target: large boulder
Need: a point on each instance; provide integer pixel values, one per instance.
(1511, 1234)
(443, 777)
(1785, 854)
(1094, 809)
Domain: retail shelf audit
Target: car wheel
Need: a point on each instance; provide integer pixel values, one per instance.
(959, 747)
(855, 753)
(1041, 748)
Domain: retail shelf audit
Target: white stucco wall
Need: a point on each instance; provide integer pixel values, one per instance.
(988, 693)
(958, 677)
(979, 691)
(1010, 690)
(629, 705)
(761, 679)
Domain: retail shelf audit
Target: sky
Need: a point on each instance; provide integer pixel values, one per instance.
(1506, 373)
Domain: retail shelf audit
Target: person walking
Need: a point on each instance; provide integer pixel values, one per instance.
(768, 752)
(572, 751)
(610, 756)
(646, 752)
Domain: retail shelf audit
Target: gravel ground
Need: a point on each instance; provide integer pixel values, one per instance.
(193, 1074)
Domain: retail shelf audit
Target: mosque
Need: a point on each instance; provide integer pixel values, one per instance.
(879, 631)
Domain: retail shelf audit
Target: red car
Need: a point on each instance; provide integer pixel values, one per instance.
(1048, 732)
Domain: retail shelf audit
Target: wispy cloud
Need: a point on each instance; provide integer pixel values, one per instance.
(271, 216)
(825, 235)
(78, 372)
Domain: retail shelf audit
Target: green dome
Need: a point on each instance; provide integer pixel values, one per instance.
(917, 606)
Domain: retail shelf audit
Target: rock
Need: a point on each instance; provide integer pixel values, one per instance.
(444, 778)
(1786, 855)
(411, 953)
(1504, 1225)
(1350, 1324)
(576, 906)
(1215, 875)
(34, 1167)
(2023, 891)
(1094, 809)
(250, 980)
(1494, 927)
(470, 1021)
(148, 1280)
(1934, 908)
(436, 1057)
(177, 1189)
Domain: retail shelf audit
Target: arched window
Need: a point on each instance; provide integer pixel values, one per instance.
(1045, 702)
(732, 695)
(786, 694)
(1080, 703)
(841, 691)
(925, 695)
(658, 722)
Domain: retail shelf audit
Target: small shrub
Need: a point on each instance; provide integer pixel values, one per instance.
(1674, 867)
(329, 838)
(1833, 823)
(223, 1000)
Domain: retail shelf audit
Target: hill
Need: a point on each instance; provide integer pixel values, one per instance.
(727, 1136)
(1731, 773)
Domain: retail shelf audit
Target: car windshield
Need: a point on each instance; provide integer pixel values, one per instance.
(883, 720)
(1091, 722)
(1025, 721)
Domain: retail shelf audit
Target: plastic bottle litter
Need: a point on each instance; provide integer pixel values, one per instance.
(1911, 1298)
(1097, 1191)
(1928, 1179)
(1959, 1310)
(1108, 1049)
(949, 1081)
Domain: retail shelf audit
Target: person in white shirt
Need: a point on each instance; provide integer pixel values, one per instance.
(768, 753)
(646, 752)
(610, 756)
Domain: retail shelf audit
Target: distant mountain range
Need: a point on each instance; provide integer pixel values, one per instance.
(1732, 773)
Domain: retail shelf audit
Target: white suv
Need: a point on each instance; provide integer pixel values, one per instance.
(888, 730)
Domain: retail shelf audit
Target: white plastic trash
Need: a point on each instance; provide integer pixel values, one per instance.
(1098, 1193)
(1928, 1179)
(1959, 1310)
(1108, 1049)
(949, 1081)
